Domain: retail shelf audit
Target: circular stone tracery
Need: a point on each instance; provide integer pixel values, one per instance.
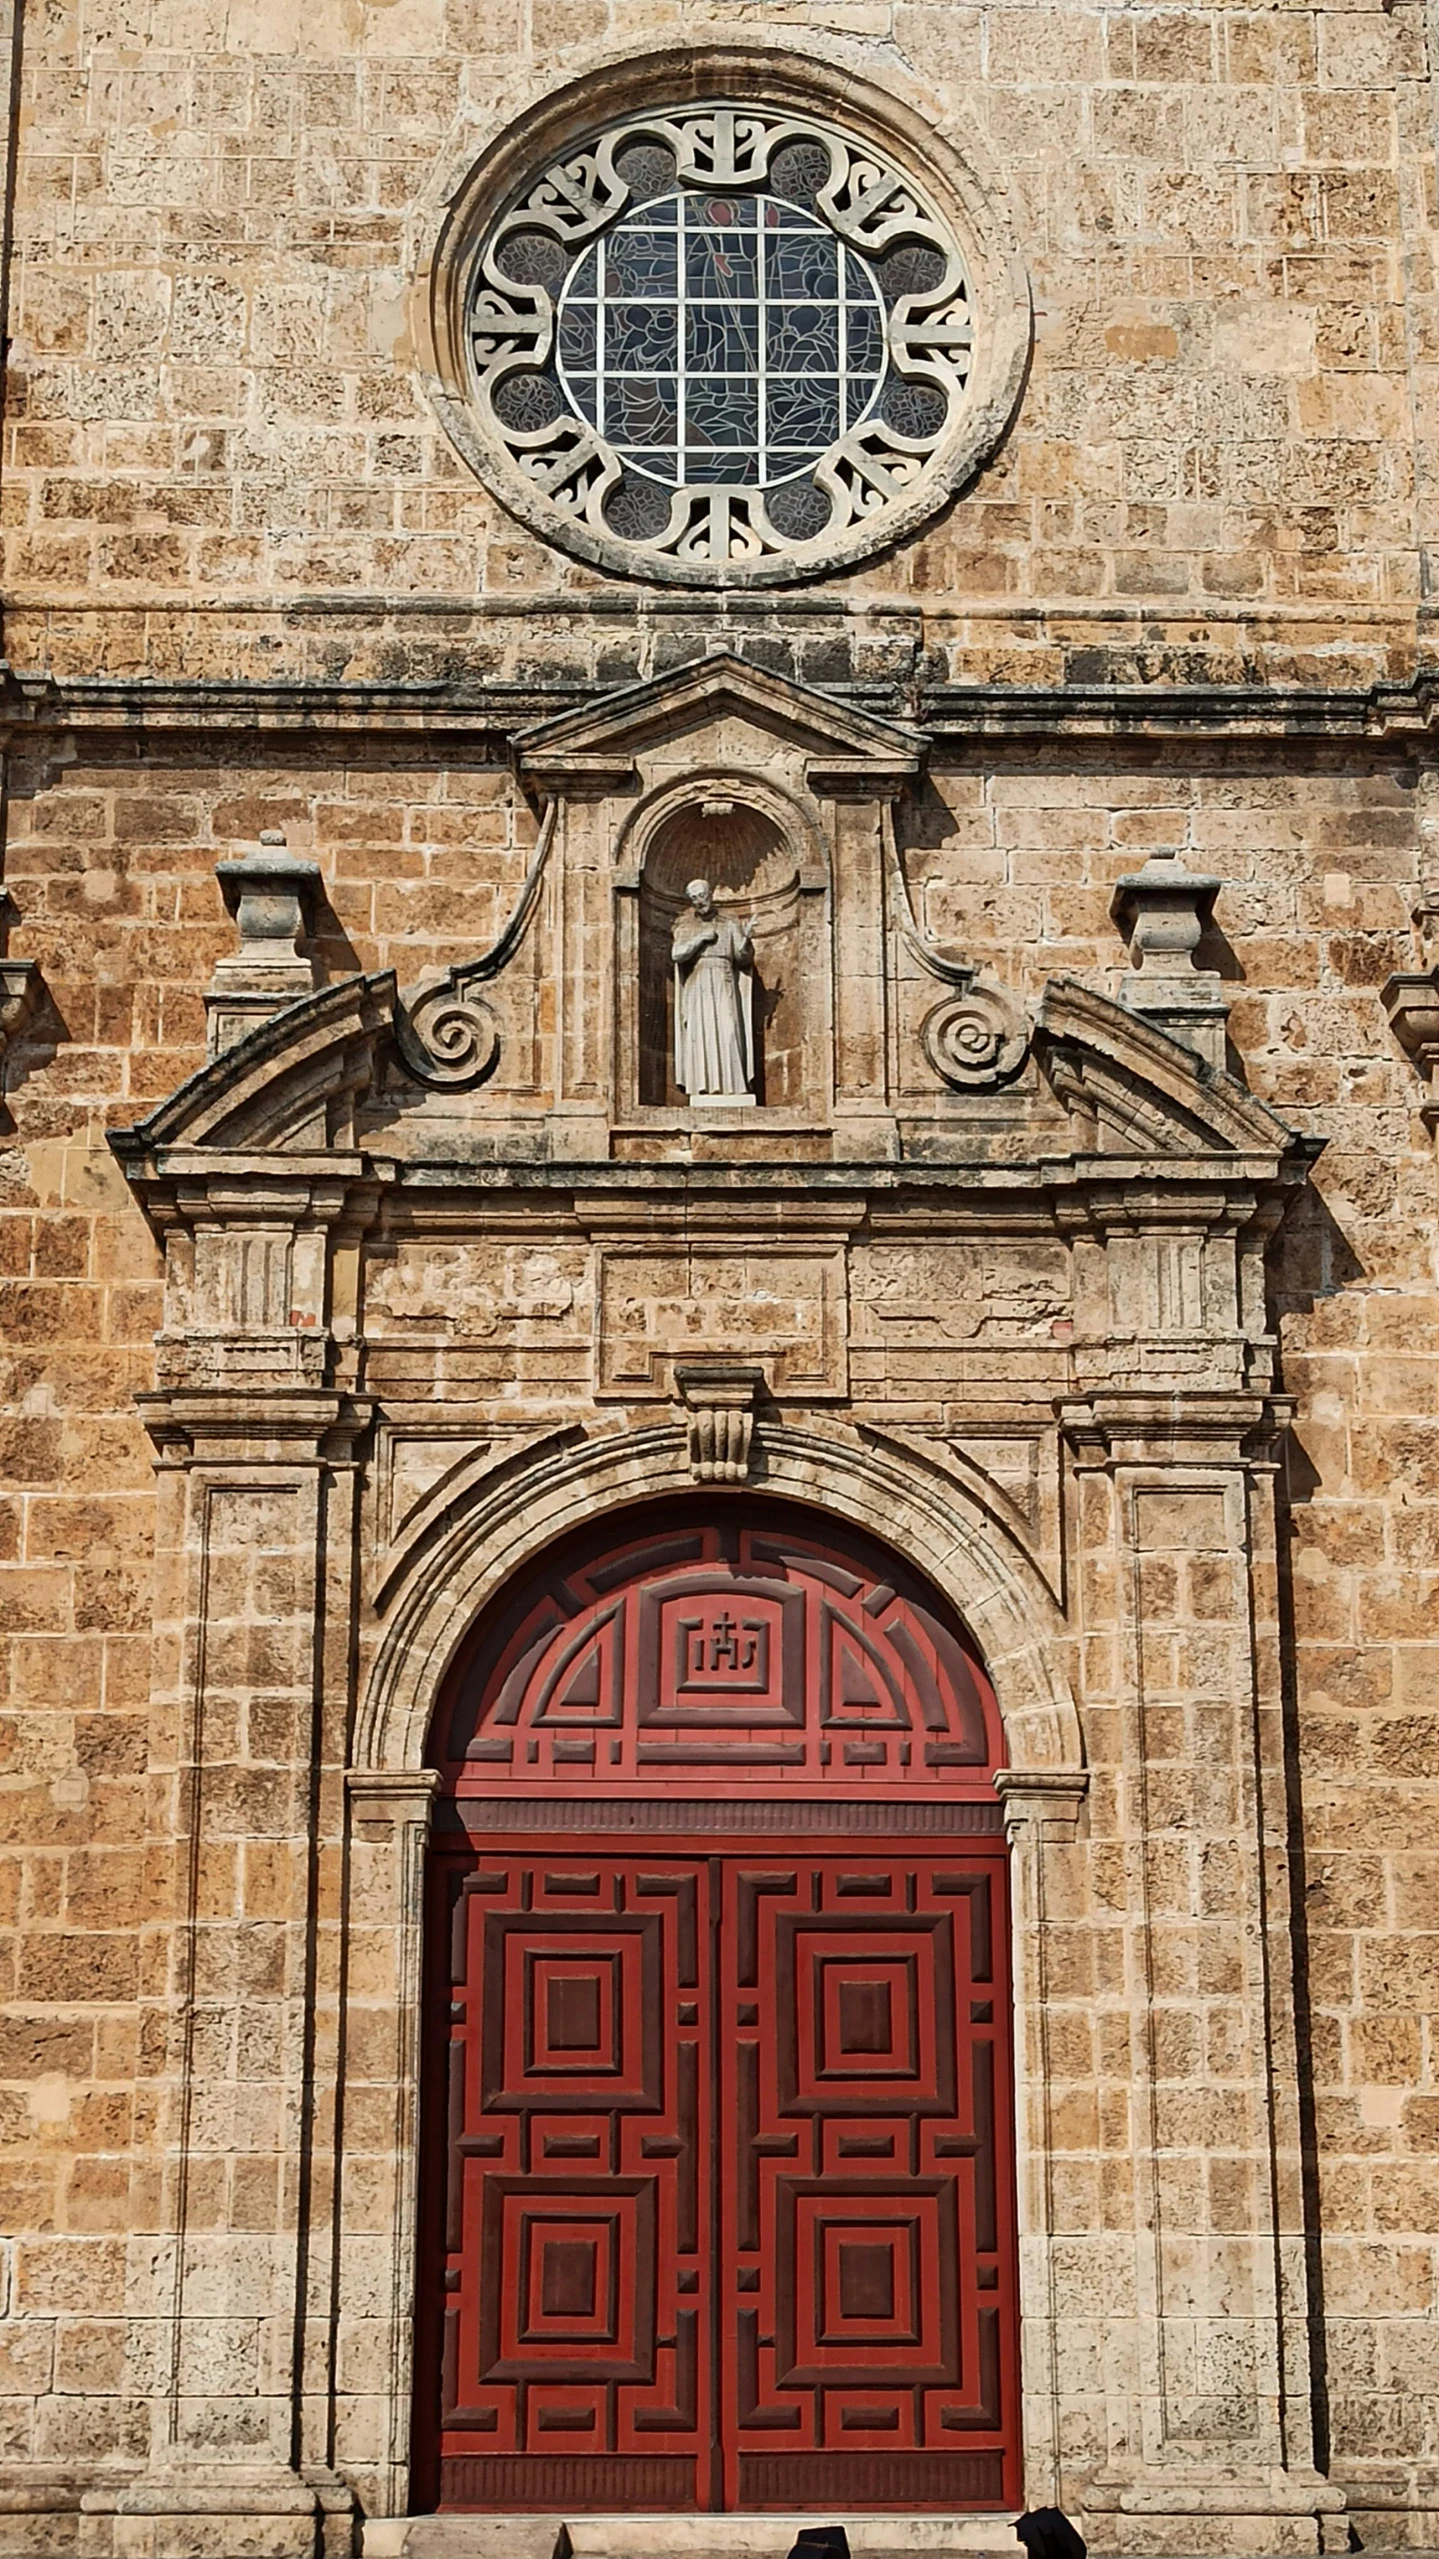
(719, 344)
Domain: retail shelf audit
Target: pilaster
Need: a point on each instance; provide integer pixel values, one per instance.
(228, 2295)
(389, 1818)
(231, 2290)
(1205, 2405)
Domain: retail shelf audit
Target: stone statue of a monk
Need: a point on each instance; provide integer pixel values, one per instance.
(714, 1003)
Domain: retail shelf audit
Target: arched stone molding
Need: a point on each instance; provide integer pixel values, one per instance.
(783, 808)
(879, 1487)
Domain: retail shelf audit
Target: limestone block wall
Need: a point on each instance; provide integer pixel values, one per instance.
(218, 464)
(110, 866)
(1225, 466)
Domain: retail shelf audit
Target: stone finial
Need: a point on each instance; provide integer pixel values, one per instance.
(1411, 1000)
(719, 1398)
(1164, 910)
(271, 894)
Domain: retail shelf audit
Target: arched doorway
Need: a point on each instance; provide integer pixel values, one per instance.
(718, 2197)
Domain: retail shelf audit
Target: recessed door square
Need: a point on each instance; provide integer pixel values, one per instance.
(567, 2285)
(873, 2293)
(869, 2281)
(573, 2012)
(867, 2018)
(865, 2013)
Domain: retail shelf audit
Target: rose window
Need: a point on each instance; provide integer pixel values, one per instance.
(716, 344)
(714, 338)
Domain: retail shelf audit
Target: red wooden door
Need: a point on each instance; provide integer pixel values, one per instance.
(728, 2214)
(578, 2247)
(720, 2205)
(868, 2256)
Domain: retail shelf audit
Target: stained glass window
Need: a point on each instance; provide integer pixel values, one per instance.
(720, 338)
(710, 339)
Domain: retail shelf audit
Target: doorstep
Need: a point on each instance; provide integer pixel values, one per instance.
(732, 2536)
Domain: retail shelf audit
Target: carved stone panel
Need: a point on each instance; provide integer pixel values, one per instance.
(480, 1290)
(933, 1293)
(784, 1305)
(957, 1314)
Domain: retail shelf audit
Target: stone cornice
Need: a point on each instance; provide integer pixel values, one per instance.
(1381, 714)
(487, 717)
(1115, 1428)
(969, 1195)
(288, 1089)
(299, 1426)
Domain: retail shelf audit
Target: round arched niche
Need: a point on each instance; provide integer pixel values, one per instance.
(749, 863)
(761, 854)
(722, 1642)
(643, 458)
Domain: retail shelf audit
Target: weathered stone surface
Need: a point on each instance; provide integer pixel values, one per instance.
(1050, 1331)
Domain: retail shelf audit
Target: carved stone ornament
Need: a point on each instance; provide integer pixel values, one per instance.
(977, 1037)
(446, 1034)
(1165, 909)
(725, 342)
(271, 894)
(974, 1040)
(1411, 1000)
(719, 1400)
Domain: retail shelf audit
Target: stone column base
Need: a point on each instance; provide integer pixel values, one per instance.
(40, 2508)
(1214, 2515)
(235, 2513)
(1392, 2505)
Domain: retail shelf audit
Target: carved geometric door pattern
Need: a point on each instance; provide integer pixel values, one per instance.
(728, 1648)
(867, 2251)
(727, 2210)
(576, 2363)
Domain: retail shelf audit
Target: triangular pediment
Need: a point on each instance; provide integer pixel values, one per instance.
(693, 697)
(1144, 1093)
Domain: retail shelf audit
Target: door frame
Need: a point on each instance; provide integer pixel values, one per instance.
(947, 1528)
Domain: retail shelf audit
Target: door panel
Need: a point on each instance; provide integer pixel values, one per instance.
(723, 1652)
(754, 2099)
(868, 2271)
(576, 2357)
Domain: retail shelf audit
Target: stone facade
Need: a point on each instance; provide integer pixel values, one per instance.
(356, 1245)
